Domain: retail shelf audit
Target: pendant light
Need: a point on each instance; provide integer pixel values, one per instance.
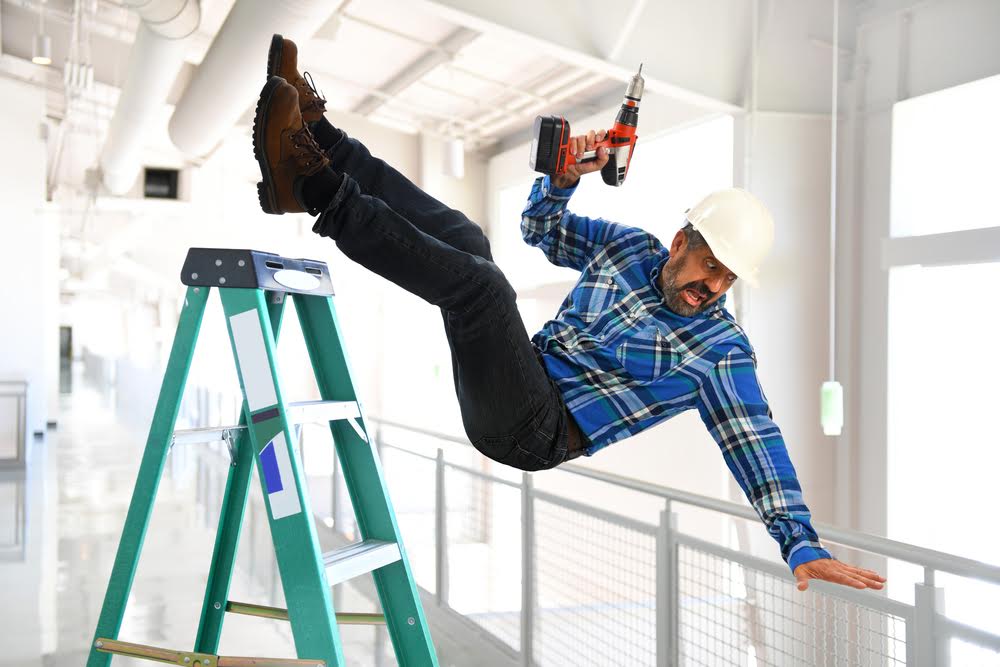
(832, 393)
(41, 48)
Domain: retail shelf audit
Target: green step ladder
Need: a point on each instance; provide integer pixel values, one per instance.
(253, 287)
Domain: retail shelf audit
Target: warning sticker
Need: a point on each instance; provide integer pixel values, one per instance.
(282, 492)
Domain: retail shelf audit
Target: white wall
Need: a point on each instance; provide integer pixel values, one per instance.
(787, 316)
(31, 241)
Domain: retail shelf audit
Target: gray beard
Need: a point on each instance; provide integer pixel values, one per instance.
(672, 293)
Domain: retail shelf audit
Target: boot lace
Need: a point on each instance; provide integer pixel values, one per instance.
(307, 151)
(316, 100)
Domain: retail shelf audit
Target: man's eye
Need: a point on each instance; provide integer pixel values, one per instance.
(710, 266)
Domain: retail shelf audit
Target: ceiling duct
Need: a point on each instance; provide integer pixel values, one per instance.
(155, 59)
(233, 71)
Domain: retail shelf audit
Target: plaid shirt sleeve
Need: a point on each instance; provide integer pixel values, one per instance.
(736, 412)
(567, 239)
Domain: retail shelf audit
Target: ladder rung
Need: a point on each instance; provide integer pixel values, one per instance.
(277, 613)
(359, 558)
(297, 413)
(302, 412)
(191, 658)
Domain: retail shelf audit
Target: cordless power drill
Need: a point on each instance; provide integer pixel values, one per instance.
(551, 134)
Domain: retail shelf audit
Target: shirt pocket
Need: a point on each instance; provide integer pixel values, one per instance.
(648, 355)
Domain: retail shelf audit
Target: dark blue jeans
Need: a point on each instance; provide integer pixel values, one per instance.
(512, 411)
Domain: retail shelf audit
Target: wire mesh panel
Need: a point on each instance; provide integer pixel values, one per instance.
(595, 583)
(484, 553)
(734, 614)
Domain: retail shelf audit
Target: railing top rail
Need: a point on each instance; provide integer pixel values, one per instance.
(911, 553)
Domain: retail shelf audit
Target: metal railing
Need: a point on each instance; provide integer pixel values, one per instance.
(561, 582)
(546, 579)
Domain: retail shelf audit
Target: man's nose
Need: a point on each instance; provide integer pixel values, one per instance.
(714, 284)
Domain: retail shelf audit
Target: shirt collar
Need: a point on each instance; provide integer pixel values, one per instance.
(654, 278)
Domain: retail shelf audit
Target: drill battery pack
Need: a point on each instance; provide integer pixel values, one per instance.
(549, 145)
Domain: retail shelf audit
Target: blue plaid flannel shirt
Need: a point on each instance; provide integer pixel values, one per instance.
(625, 362)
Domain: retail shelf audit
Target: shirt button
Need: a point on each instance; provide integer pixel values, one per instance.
(610, 281)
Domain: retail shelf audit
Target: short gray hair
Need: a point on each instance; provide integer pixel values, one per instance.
(694, 238)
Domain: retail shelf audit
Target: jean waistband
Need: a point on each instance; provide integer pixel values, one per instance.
(576, 442)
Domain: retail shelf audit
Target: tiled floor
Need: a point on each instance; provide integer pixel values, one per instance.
(59, 527)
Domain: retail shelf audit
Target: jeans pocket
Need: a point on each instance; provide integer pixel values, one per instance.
(496, 448)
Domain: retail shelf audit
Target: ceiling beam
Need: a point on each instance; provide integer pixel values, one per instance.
(555, 30)
(440, 53)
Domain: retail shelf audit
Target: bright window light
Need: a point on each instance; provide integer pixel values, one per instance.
(944, 148)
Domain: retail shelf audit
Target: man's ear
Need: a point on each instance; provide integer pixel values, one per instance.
(679, 243)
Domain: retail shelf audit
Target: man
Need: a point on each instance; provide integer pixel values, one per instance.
(643, 336)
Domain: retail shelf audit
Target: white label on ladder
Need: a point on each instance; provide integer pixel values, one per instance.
(282, 491)
(252, 355)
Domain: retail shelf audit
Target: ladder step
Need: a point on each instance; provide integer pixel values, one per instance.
(303, 412)
(359, 558)
(300, 412)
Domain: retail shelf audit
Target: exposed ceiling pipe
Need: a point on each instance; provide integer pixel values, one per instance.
(232, 73)
(155, 59)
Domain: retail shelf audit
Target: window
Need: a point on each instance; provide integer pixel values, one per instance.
(944, 312)
(944, 147)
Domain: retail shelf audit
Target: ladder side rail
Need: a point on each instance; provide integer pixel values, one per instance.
(293, 533)
(231, 517)
(150, 472)
(405, 619)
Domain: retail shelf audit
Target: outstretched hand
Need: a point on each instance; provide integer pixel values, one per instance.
(828, 569)
(578, 146)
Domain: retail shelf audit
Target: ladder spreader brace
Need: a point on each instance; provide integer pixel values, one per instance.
(252, 286)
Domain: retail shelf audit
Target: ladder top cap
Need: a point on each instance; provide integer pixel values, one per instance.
(253, 269)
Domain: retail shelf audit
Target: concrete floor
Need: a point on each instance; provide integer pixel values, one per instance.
(59, 529)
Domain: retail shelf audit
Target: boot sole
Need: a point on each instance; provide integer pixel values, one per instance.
(265, 189)
(274, 55)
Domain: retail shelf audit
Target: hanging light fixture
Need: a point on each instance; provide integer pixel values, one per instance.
(41, 51)
(832, 393)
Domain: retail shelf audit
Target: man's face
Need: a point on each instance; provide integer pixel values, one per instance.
(693, 279)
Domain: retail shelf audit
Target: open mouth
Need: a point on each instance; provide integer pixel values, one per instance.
(693, 297)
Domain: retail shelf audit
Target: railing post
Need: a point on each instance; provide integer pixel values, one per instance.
(441, 531)
(667, 593)
(528, 598)
(923, 646)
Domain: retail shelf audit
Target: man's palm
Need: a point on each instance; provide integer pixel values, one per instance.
(837, 572)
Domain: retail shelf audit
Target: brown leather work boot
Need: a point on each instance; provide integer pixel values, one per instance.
(282, 60)
(284, 148)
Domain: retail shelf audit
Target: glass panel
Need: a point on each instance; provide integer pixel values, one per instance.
(943, 444)
(944, 148)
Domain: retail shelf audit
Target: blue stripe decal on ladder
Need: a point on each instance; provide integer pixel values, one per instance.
(269, 464)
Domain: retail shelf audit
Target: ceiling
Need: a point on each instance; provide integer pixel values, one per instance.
(392, 61)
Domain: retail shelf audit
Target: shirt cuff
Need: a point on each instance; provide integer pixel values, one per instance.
(550, 190)
(803, 553)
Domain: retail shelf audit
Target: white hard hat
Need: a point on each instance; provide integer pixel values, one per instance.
(737, 227)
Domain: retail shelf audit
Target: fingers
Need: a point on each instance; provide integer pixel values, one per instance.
(583, 143)
(840, 573)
